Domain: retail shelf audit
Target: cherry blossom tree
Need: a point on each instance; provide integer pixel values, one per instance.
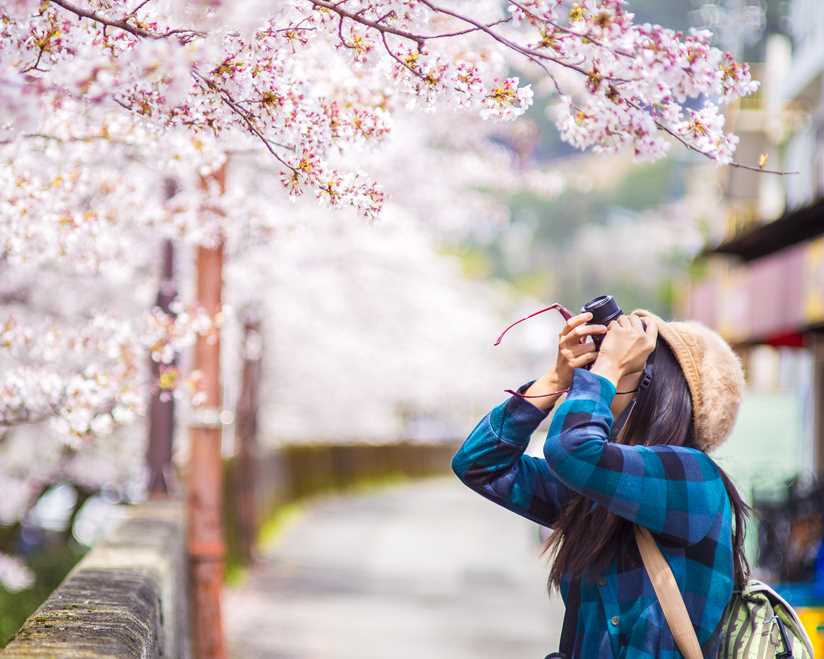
(102, 102)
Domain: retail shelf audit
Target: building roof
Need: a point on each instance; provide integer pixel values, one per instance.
(793, 227)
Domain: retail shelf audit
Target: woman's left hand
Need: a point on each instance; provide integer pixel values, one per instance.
(625, 347)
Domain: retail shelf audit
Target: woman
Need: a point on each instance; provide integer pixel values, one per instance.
(622, 450)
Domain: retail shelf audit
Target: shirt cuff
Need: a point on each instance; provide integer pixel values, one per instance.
(587, 385)
(516, 418)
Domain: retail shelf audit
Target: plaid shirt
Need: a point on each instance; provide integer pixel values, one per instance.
(676, 492)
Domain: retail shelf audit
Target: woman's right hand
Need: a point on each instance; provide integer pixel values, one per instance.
(574, 351)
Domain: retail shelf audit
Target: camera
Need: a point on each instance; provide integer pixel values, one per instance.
(604, 310)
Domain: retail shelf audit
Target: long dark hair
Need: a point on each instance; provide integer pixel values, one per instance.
(588, 537)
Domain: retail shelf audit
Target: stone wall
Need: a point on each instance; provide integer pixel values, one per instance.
(126, 598)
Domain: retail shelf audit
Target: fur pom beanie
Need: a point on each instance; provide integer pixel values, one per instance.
(714, 375)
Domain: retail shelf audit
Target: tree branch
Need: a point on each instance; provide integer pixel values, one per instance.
(571, 33)
(123, 24)
(733, 163)
(227, 99)
(502, 39)
(669, 131)
(398, 59)
(343, 13)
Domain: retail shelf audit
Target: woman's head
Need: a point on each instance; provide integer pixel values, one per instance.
(660, 413)
(713, 373)
(587, 537)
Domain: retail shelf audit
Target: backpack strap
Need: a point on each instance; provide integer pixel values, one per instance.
(668, 594)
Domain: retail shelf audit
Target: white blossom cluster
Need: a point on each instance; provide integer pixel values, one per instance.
(636, 79)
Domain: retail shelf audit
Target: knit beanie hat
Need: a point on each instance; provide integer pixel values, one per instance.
(713, 372)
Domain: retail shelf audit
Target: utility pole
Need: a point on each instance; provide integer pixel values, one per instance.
(162, 404)
(246, 423)
(205, 474)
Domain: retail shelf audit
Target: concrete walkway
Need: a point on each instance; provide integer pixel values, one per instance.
(428, 569)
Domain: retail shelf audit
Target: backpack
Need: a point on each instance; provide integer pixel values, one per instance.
(757, 624)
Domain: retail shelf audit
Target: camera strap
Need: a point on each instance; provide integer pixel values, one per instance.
(565, 313)
(645, 381)
(649, 370)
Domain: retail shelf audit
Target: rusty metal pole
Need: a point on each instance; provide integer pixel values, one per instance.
(246, 422)
(162, 404)
(205, 473)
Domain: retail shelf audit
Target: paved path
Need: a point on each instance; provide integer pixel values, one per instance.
(427, 570)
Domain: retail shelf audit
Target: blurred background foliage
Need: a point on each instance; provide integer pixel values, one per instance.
(536, 252)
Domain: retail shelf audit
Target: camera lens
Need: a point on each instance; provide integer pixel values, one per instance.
(604, 310)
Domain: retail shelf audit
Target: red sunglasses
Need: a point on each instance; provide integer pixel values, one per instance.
(567, 314)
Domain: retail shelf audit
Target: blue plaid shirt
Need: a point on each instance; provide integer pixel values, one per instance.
(676, 492)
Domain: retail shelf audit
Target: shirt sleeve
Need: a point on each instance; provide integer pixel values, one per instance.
(672, 490)
(491, 462)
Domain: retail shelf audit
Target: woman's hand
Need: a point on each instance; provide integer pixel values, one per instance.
(574, 351)
(626, 347)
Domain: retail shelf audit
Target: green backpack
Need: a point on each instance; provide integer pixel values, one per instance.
(759, 624)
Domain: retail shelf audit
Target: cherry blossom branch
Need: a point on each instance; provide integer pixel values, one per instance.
(230, 102)
(572, 33)
(378, 24)
(527, 51)
(138, 7)
(476, 26)
(36, 65)
(733, 163)
(123, 24)
(398, 59)
(253, 83)
(460, 33)
(375, 25)
(502, 39)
